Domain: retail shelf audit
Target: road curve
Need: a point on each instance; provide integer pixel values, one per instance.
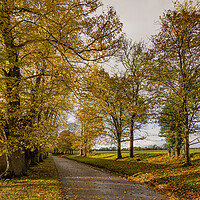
(82, 182)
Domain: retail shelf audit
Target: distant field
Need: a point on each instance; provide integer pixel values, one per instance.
(166, 174)
(141, 151)
(145, 151)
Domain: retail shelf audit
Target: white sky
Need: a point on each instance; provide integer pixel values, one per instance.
(139, 16)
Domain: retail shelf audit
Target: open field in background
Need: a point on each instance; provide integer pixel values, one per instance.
(165, 174)
(41, 182)
(140, 151)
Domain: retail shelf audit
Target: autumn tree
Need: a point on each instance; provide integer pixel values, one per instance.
(107, 93)
(66, 141)
(131, 55)
(175, 65)
(170, 123)
(90, 125)
(42, 44)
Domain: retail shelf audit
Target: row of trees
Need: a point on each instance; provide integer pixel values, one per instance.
(175, 66)
(45, 51)
(160, 82)
(43, 46)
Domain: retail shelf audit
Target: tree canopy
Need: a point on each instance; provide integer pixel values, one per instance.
(175, 64)
(43, 45)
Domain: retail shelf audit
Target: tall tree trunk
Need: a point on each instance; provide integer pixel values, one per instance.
(13, 78)
(33, 158)
(119, 153)
(4, 167)
(131, 137)
(187, 150)
(85, 148)
(17, 164)
(41, 157)
(186, 134)
(169, 152)
(3, 163)
(27, 158)
(81, 150)
(177, 151)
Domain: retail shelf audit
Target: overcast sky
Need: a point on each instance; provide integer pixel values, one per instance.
(139, 16)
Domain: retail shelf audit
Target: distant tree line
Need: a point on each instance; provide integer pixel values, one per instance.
(152, 147)
(44, 46)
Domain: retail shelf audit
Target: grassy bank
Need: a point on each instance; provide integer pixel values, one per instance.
(41, 182)
(168, 175)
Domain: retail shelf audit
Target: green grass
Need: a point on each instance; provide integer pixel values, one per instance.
(166, 174)
(41, 182)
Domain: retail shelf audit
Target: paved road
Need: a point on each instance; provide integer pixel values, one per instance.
(83, 182)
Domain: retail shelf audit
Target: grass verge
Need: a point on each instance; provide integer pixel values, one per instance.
(41, 182)
(165, 174)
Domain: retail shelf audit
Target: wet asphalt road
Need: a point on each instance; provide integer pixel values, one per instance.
(82, 182)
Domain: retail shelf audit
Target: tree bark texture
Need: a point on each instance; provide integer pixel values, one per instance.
(119, 153)
(177, 152)
(186, 133)
(3, 163)
(13, 76)
(131, 137)
(187, 150)
(17, 164)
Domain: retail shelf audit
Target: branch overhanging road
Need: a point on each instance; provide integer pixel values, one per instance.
(82, 182)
